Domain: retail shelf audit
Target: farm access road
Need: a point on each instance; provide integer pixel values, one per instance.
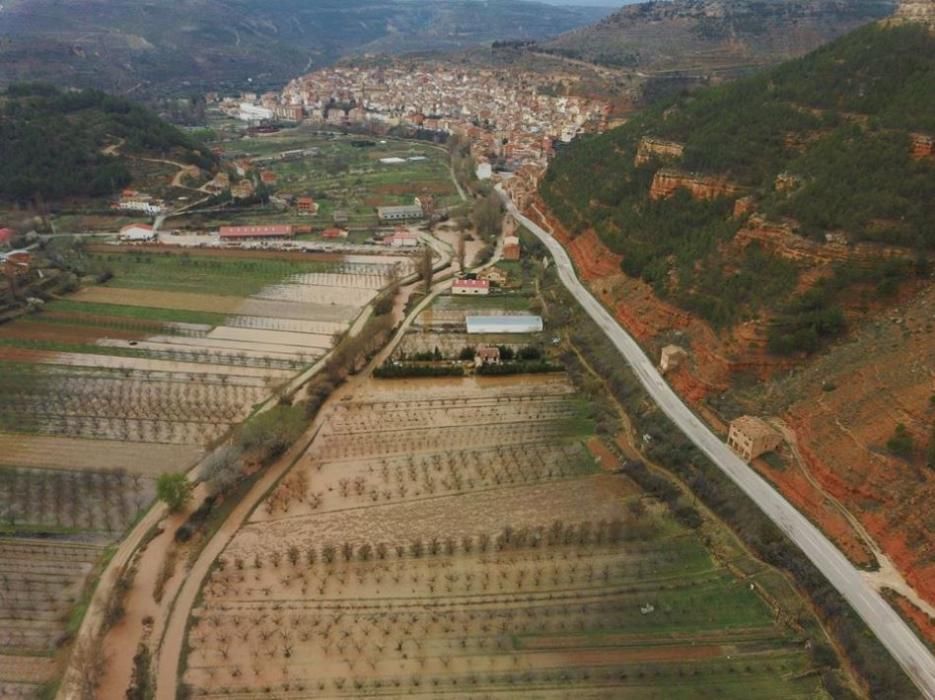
(911, 653)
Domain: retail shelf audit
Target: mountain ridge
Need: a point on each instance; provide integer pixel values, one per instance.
(713, 36)
(201, 45)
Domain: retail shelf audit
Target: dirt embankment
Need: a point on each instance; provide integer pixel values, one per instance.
(845, 407)
(715, 358)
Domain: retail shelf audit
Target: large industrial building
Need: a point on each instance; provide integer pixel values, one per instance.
(406, 212)
(504, 324)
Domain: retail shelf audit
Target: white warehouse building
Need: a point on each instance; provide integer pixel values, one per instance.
(504, 324)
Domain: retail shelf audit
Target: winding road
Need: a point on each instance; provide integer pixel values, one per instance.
(911, 653)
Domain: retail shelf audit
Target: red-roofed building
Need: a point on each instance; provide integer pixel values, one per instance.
(240, 232)
(470, 287)
(306, 205)
(6, 235)
(334, 233)
(402, 238)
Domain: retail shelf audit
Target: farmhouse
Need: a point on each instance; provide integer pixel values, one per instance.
(264, 232)
(306, 206)
(750, 437)
(511, 249)
(470, 287)
(132, 200)
(486, 355)
(243, 189)
(402, 238)
(405, 212)
(503, 324)
(494, 275)
(137, 232)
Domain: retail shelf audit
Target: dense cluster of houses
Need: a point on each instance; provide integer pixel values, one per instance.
(507, 116)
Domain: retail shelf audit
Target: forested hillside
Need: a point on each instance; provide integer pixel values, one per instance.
(54, 143)
(832, 146)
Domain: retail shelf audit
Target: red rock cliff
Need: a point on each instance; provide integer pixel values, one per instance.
(668, 180)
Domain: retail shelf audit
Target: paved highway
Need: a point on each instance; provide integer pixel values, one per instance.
(890, 629)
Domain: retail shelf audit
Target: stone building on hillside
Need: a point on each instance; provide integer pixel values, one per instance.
(672, 356)
(750, 437)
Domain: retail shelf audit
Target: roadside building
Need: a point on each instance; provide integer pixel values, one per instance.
(750, 437)
(278, 231)
(340, 216)
(511, 249)
(671, 357)
(406, 212)
(334, 232)
(503, 324)
(486, 355)
(137, 232)
(469, 287)
(306, 206)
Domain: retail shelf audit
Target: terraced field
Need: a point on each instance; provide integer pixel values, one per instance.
(457, 538)
(105, 390)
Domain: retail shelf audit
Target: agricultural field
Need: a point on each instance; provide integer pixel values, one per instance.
(345, 172)
(459, 538)
(104, 390)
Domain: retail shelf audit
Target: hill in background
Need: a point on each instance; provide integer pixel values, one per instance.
(681, 42)
(79, 144)
(185, 46)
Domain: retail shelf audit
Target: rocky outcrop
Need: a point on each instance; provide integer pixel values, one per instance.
(786, 182)
(782, 240)
(668, 180)
(743, 206)
(922, 146)
(921, 11)
(661, 149)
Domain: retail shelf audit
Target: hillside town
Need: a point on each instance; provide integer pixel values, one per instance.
(509, 117)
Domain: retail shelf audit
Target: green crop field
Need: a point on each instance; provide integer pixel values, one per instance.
(207, 275)
(342, 176)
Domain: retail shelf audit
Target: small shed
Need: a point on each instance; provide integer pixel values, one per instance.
(511, 248)
(486, 355)
(672, 356)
